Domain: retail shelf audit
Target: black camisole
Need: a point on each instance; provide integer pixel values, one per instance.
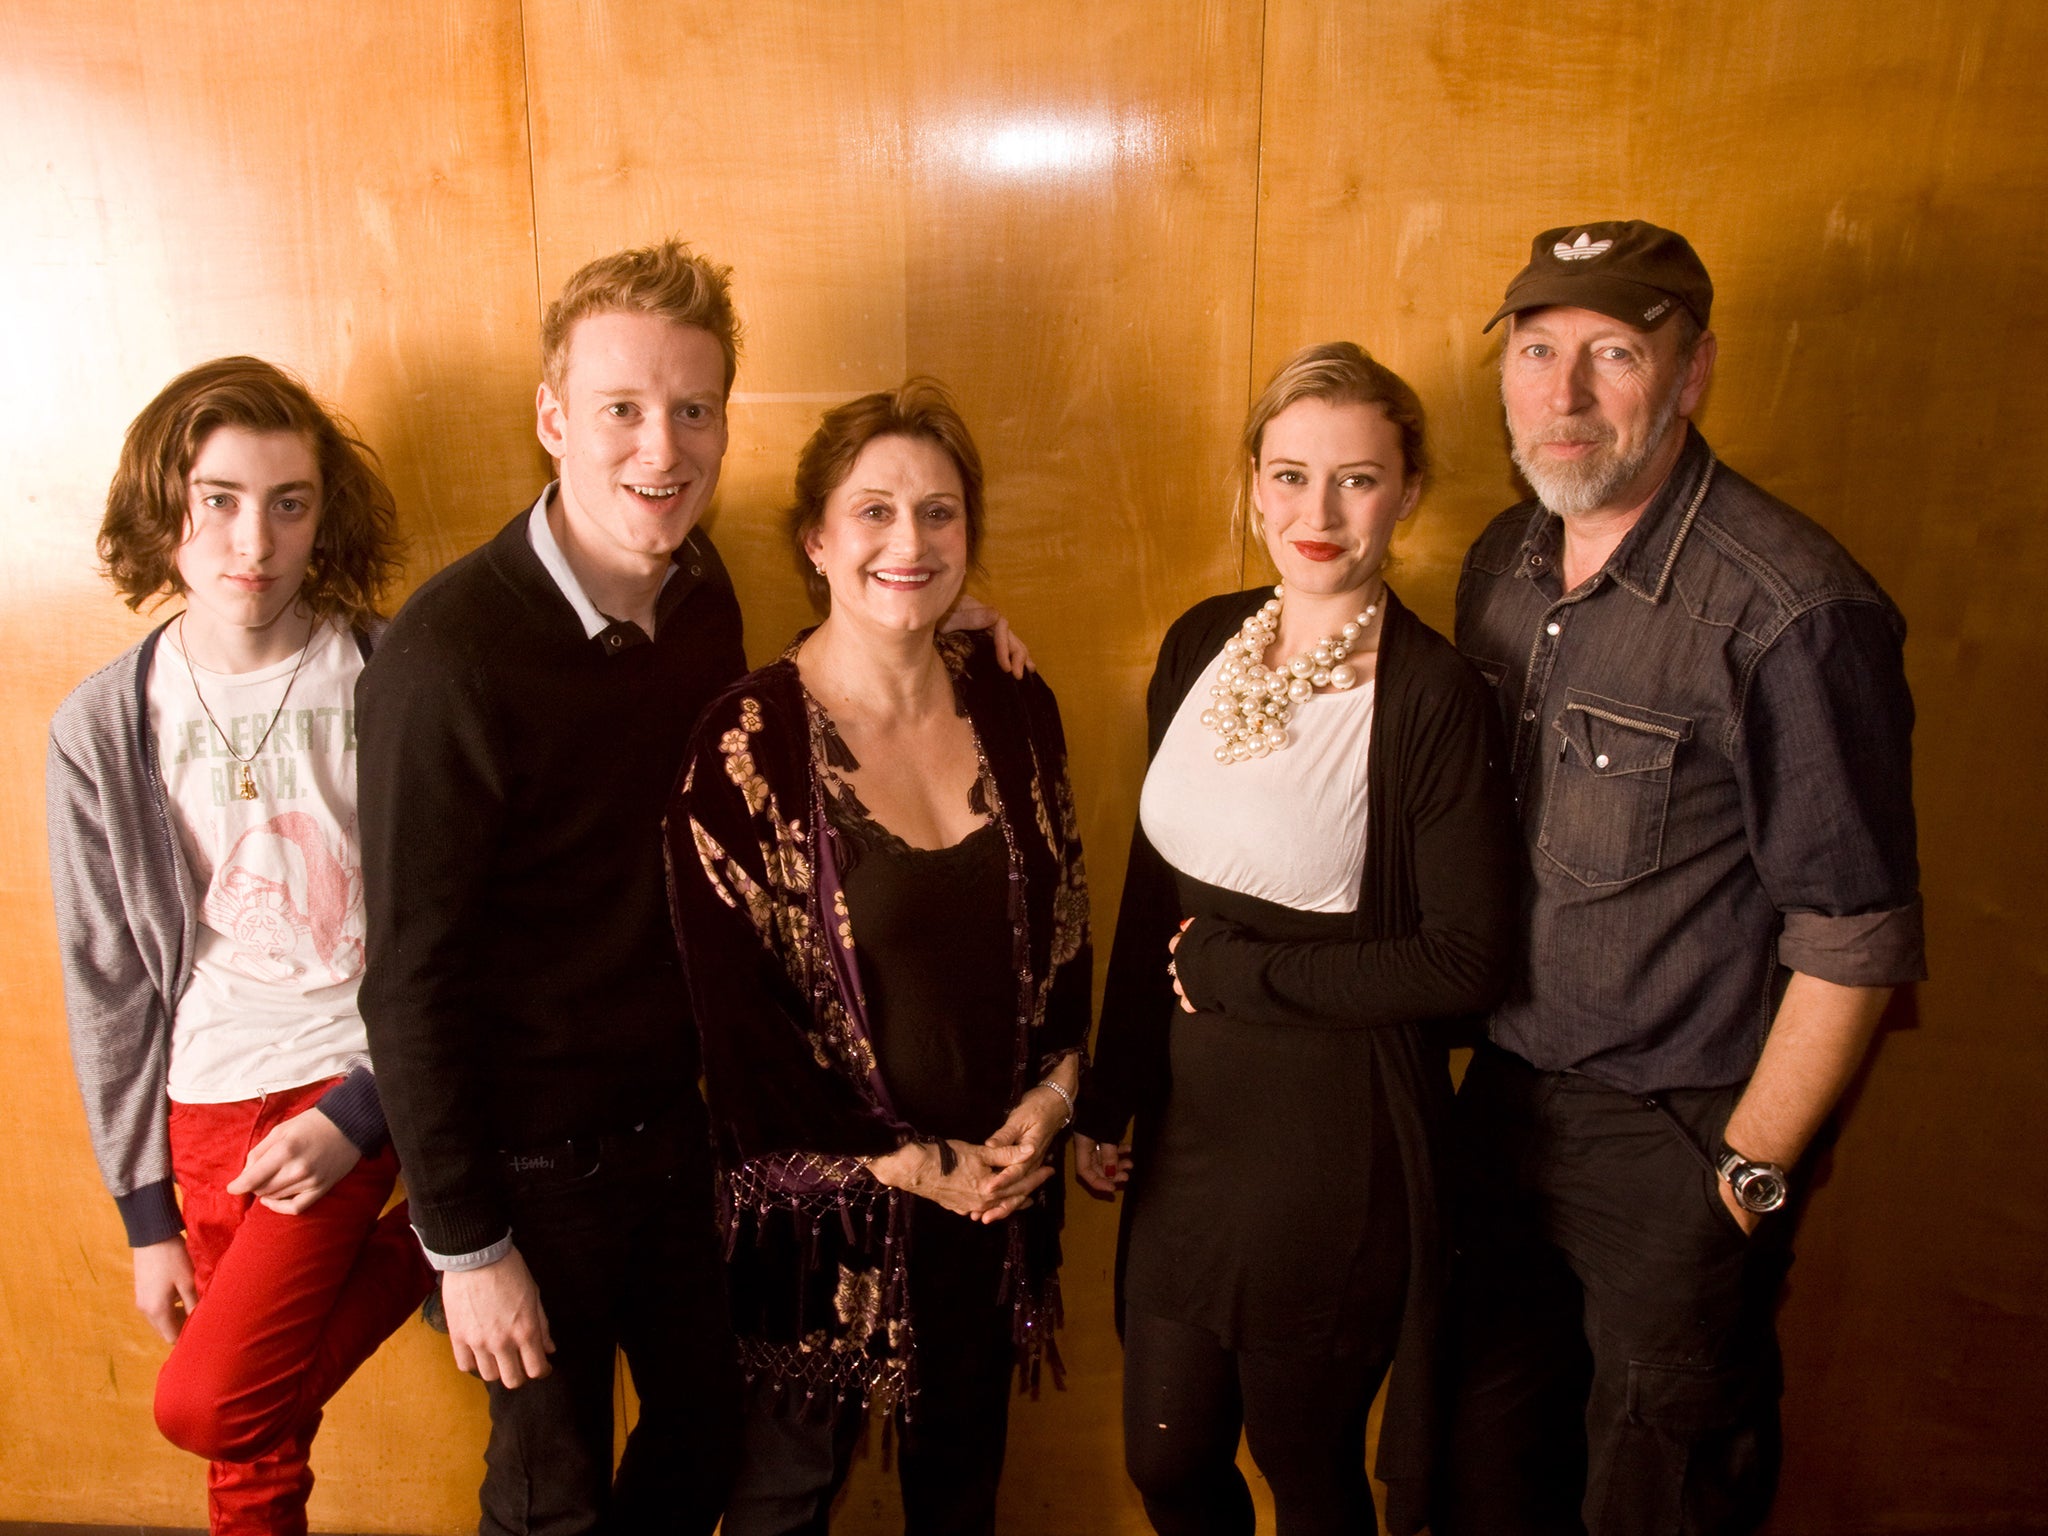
(931, 928)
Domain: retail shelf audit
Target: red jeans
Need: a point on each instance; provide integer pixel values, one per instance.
(289, 1306)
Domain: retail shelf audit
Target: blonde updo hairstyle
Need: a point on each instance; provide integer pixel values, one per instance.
(1341, 373)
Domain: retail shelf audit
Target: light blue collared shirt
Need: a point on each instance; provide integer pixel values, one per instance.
(542, 536)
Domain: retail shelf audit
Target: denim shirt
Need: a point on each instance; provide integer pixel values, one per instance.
(1712, 762)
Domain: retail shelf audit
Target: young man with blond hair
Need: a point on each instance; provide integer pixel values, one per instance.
(520, 729)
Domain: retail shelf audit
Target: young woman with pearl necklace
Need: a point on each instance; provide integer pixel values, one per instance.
(1322, 870)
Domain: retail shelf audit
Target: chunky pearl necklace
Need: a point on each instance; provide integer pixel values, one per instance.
(1254, 702)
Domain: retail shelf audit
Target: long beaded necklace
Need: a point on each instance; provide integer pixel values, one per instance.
(1254, 702)
(245, 782)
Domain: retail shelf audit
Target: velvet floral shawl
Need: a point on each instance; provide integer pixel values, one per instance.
(818, 1251)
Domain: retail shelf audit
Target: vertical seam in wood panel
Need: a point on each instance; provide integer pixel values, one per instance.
(532, 175)
(1258, 200)
(1251, 330)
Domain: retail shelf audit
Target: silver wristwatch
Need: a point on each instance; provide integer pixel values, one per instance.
(1759, 1187)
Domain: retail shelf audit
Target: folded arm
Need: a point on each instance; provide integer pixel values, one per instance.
(1454, 961)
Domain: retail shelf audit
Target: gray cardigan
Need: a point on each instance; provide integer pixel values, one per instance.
(126, 904)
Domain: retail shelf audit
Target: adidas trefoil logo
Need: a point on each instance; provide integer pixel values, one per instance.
(1585, 248)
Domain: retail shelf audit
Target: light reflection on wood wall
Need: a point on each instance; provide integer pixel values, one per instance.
(1101, 224)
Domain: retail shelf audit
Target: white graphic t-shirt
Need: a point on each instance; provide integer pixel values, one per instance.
(272, 1002)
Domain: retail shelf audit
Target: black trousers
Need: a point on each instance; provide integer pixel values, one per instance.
(619, 1236)
(1614, 1363)
(950, 1449)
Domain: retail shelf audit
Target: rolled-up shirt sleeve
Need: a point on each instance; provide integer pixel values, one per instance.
(1824, 761)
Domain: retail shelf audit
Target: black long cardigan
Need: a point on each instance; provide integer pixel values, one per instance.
(1430, 947)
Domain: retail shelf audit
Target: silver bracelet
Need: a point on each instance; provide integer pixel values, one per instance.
(1066, 1098)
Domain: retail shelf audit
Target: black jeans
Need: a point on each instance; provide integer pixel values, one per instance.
(618, 1233)
(950, 1452)
(1615, 1367)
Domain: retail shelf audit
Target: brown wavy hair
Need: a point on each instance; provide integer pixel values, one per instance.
(669, 281)
(918, 408)
(356, 550)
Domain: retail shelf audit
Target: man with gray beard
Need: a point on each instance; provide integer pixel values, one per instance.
(1711, 752)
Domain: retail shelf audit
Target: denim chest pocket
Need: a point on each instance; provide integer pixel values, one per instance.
(1603, 821)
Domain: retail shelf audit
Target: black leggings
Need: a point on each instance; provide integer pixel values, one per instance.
(1185, 1399)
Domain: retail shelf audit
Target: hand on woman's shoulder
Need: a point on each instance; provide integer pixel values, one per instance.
(972, 654)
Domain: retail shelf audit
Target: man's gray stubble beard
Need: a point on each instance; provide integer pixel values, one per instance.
(1572, 489)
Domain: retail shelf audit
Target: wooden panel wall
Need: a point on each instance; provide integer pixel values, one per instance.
(1050, 208)
(342, 189)
(1102, 225)
(1868, 195)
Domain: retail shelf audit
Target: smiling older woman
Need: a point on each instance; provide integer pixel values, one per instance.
(877, 882)
(1322, 870)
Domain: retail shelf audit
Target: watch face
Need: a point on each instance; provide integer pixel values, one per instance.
(1760, 1189)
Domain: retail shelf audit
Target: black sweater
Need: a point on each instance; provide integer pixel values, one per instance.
(1431, 942)
(522, 984)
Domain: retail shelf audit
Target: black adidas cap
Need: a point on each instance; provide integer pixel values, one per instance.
(1634, 272)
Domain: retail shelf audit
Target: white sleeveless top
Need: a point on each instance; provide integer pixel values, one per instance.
(1288, 827)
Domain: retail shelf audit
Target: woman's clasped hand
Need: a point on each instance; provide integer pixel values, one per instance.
(991, 1180)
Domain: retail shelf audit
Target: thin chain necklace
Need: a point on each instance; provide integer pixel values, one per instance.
(1254, 702)
(245, 782)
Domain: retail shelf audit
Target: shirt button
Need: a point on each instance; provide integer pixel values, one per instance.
(1553, 628)
(1600, 761)
(696, 570)
(1535, 562)
(615, 641)
(1528, 714)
